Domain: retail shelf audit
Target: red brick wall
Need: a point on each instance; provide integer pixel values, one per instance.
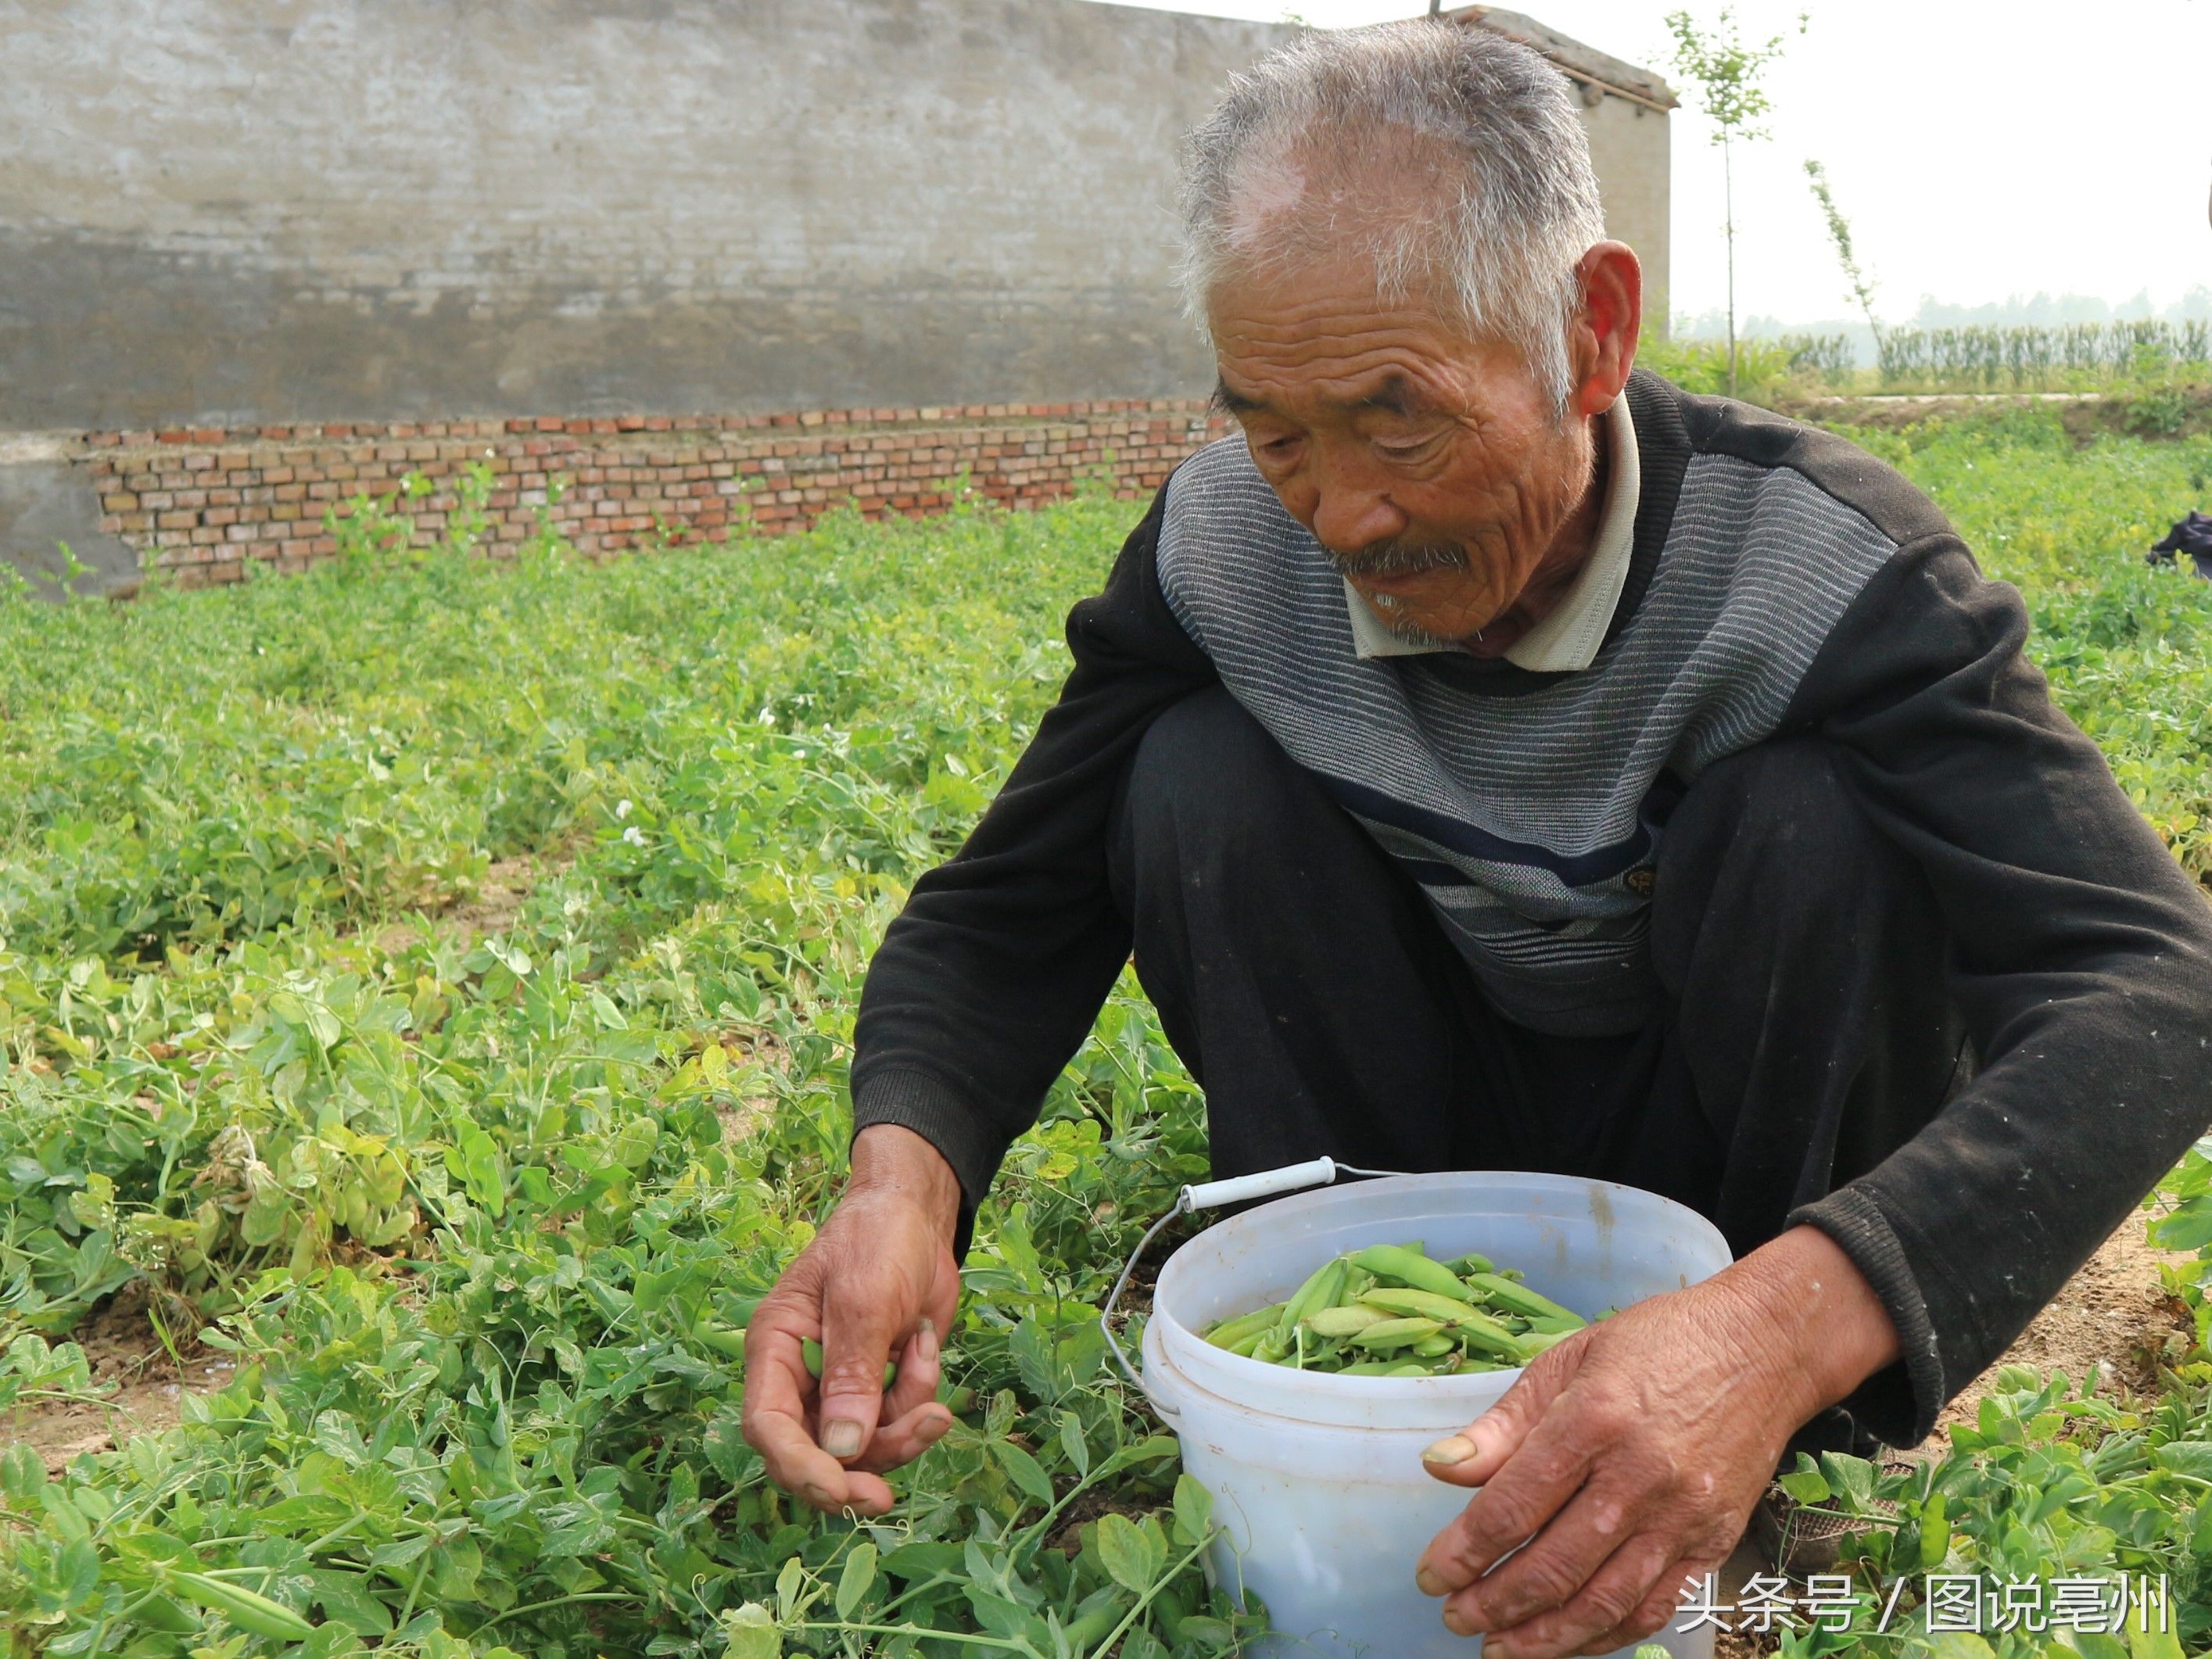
(206, 499)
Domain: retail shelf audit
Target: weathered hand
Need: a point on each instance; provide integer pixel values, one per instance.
(877, 1281)
(1628, 1457)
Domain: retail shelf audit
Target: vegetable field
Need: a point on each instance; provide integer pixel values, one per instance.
(463, 1194)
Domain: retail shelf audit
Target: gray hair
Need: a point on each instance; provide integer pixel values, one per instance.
(1492, 200)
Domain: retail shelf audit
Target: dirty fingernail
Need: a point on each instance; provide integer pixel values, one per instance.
(1431, 1581)
(1454, 1449)
(840, 1439)
(926, 1338)
(1455, 1622)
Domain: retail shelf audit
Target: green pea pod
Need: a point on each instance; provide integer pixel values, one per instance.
(1543, 1325)
(1435, 1347)
(1321, 1289)
(1401, 1303)
(1396, 1333)
(1504, 1293)
(1248, 1344)
(730, 1344)
(1479, 1331)
(1410, 1368)
(1229, 1332)
(1270, 1348)
(251, 1612)
(1370, 1368)
(163, 1612)
(1086, 1628)
(1536, 1342)
(811, 1352)
(1343, 1321)
(1473, 1262)
(1394, 1262)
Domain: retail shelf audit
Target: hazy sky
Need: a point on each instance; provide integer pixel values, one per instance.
(1979, 149)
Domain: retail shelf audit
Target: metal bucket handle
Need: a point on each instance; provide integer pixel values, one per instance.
(1207, 1195)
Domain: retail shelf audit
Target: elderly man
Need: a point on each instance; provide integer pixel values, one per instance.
(1497, 758)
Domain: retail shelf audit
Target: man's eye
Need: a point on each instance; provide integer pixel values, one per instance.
(1403, 452)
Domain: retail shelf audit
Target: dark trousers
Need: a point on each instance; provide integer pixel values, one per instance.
(1306, 982)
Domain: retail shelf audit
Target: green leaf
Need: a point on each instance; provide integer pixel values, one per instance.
(854, 1582)
(788, 1583)
(1073, 1446)
(1193, 1512)
(1804, 1483)
(1852, 1477)
(1130, 1554)
(22, 1475)
(750, 1632)
(1934, 1532)
(2152, 1643)
(2188, 1227)
(2190, 1457)
(1024, 1471)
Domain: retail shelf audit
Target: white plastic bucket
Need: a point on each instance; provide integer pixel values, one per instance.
(1317, 1479)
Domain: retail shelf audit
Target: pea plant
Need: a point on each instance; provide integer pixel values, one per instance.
(473, 1192)
(465, 1206)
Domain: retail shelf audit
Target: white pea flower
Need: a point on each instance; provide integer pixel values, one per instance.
(634, 836)
(621, 809)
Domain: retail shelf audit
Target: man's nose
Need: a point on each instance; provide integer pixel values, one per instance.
(1348, 516)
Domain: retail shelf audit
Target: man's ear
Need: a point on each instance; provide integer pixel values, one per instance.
(1602, 338)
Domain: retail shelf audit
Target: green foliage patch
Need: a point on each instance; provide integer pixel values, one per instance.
(457, 1206)
(457, 1203)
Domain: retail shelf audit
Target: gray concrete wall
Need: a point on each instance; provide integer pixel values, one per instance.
(1629, 148)
(224, 212)
(50, 521)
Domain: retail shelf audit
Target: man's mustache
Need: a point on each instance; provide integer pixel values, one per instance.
(1399, 559)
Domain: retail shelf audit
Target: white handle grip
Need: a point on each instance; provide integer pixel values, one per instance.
(1206, 1195)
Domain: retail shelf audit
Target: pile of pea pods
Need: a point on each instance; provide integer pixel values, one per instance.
(1391, 1310)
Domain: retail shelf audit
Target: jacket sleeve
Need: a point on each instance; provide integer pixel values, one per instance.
(2082, 961)
(989, 981)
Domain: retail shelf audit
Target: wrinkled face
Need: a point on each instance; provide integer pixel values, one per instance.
(1430, 468)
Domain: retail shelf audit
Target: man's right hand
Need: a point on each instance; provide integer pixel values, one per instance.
(878, 1282)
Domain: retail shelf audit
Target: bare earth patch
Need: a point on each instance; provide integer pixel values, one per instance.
(142, 1384)
(499, 898)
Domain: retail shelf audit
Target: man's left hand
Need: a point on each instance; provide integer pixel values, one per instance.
(1628, 1458)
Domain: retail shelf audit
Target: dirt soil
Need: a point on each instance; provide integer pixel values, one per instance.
(127, 1357)
(498, 900)
(2084, 414)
